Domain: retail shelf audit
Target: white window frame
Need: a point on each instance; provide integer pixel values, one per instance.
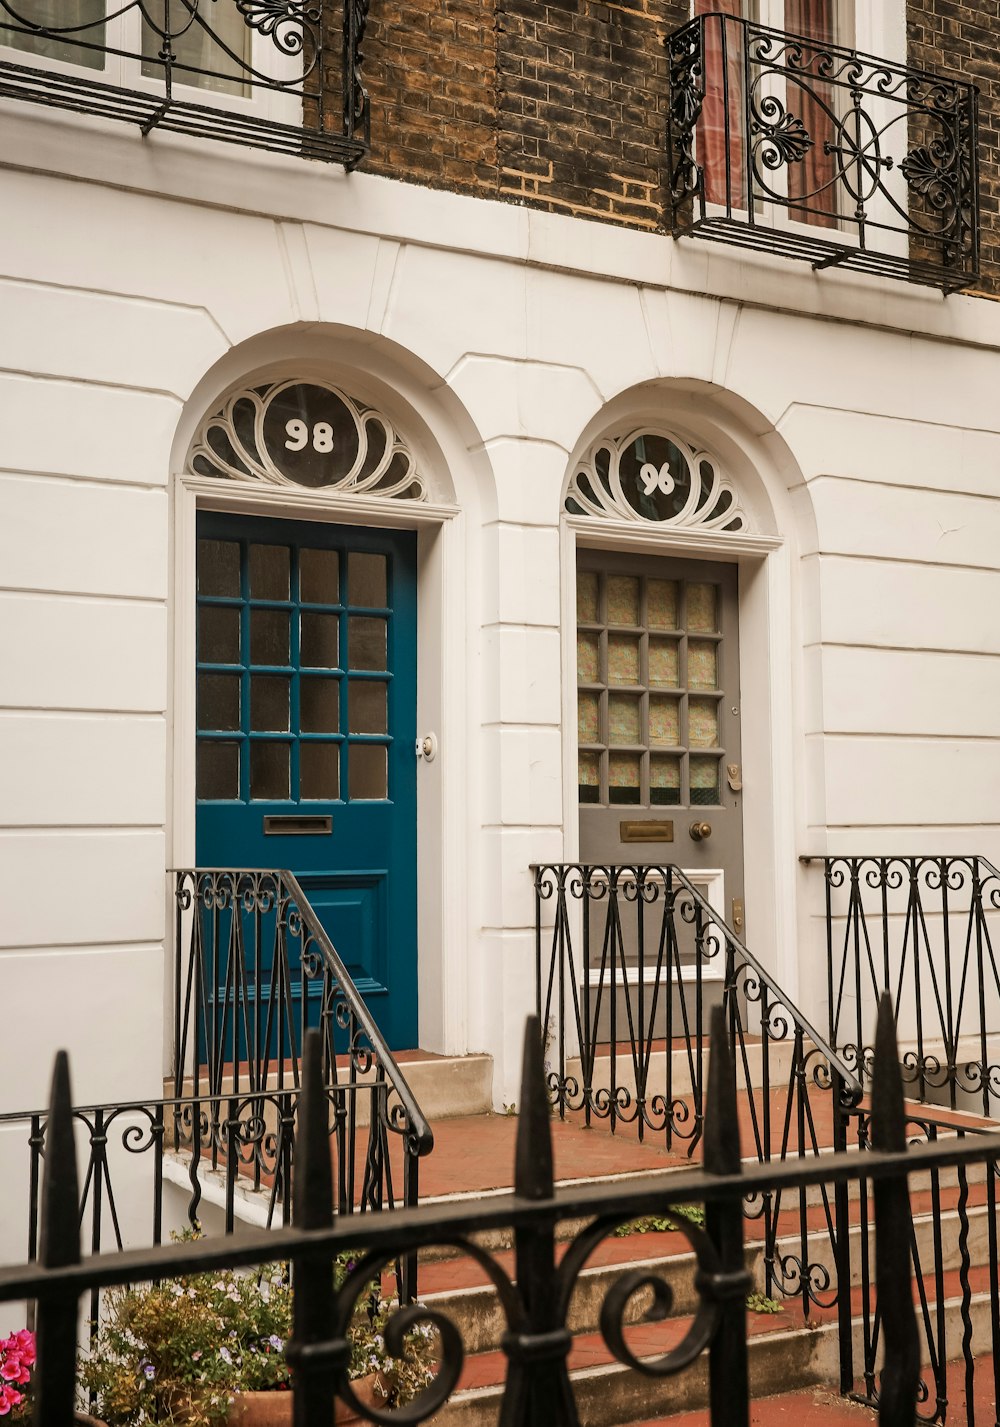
(874, 29)
(123, 32)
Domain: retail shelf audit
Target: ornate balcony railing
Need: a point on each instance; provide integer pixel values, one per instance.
(283, 75)
(630, 961)
(813, 151)
(535, 1302)
(927, 931)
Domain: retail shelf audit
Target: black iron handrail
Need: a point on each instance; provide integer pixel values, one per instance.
(815, 151)
(294, 84)
(539, 1391)
(919, 927)
(636, 957)
(951, 1290)
(239, 1032)
(230, 1000)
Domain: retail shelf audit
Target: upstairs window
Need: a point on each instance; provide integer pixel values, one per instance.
(810, 182)
(210, 47)
(790, 132)
(283, 75)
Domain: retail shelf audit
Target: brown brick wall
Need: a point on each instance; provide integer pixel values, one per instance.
(582, 98)
(431, 74)
(558, 105)
(562, 105)
(964, 40)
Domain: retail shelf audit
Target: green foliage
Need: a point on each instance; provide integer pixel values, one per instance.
(760, 1303)
(664, 1223)
(177, 1351)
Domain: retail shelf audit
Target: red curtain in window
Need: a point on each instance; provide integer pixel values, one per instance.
(817, 21)
(720, 124)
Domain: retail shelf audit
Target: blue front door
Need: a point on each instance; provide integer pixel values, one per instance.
(307, 672)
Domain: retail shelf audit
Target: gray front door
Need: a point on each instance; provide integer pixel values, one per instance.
(658, 717)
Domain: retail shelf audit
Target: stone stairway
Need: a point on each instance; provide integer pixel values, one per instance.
(791, 1353)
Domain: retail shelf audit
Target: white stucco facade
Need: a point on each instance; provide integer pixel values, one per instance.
(142, 280)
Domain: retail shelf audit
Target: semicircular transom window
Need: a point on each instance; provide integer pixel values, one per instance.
(656, 478)
(312, 434)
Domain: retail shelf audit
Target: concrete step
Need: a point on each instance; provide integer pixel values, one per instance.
(749, 1070)
(444, 1086)
(609, 1394)
(473, 1305)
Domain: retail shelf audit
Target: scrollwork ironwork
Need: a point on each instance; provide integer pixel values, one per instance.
(655, 476)
(298, 103)
(809, 138)
(352, 449)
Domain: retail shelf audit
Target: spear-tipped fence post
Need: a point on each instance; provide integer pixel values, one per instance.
(538, 1392)
(60, 1246)
(901, 1373)
(312, 1354)
(728, 1374)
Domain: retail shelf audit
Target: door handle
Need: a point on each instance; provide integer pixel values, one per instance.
(699, 831)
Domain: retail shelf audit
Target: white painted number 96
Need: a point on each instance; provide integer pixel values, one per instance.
(298, 436)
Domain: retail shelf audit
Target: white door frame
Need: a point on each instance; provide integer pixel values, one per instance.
(442, 844)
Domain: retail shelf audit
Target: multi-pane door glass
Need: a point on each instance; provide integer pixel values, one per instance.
(293, 672)
(649, 703)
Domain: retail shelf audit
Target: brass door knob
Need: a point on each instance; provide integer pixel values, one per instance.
(699, 831)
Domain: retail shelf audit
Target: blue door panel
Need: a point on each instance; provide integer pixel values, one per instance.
(307, 708)
(356, 905)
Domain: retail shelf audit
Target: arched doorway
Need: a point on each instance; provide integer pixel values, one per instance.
(305, 665)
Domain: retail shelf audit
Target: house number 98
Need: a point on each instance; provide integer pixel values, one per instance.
(298, 436)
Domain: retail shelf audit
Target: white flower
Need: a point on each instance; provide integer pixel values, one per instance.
(225, 1355)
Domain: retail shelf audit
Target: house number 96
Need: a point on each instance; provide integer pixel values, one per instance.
(298, 436)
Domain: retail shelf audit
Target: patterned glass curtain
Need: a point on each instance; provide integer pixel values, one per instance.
(721, 120)
(61, 15)
(196, 29)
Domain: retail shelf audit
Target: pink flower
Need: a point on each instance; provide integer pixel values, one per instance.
(9, 1398)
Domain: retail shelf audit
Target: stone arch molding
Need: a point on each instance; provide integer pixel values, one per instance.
(306, 433)
(651, 476)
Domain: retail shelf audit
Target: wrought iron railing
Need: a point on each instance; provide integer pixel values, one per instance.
(629, 962)
(952, 1233)
(253, 970)
(818, 152)
(539, 1389)
(922, 929)
(282, 76)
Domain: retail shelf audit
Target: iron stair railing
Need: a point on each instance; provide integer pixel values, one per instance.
(923, 929)
(539, 1390)
(253, 970)
(628, 965)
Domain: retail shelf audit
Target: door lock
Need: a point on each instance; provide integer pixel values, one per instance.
(734, 777)
(699, 831)
(427, 747)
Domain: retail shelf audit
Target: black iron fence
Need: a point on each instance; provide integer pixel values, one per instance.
(253, 971)
(539, 1389)
(921, 929)
(630, 961)
(952, 1233)
(279, 76)
(818, 152)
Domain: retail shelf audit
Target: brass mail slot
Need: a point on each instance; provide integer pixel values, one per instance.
(647, 832)
(309, 824)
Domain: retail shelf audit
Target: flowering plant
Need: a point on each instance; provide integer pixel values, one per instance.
(17, 1358)
(178, 1350)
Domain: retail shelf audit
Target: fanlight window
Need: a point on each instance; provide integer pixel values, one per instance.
(652, 477)
(306, 434)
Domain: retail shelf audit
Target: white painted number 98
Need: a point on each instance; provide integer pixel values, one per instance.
(298, 436)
